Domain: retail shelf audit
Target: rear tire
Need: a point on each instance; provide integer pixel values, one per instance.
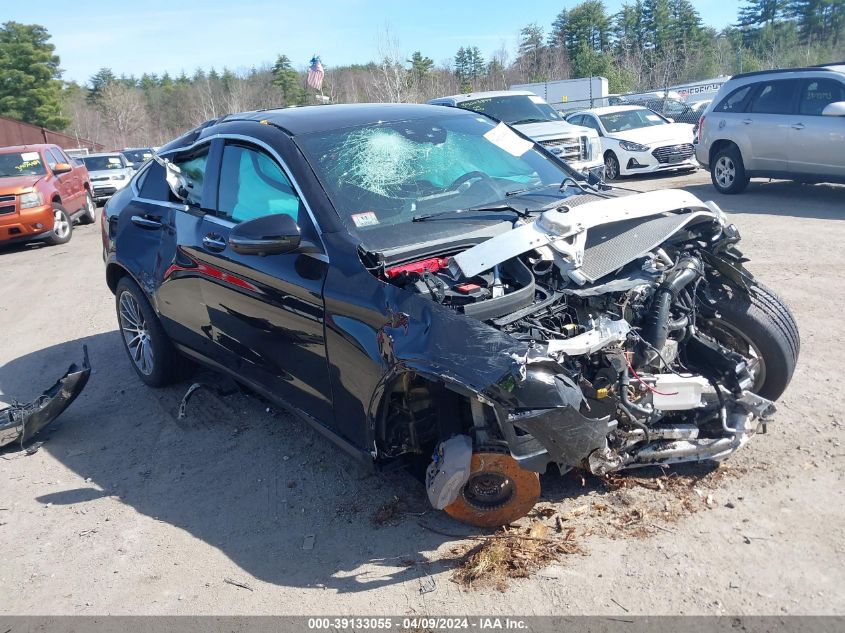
(759, 323)
(89, 213)
(728, 171)
(62, 226)
(150, 350)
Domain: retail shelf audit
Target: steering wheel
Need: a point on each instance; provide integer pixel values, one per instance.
(470, 175)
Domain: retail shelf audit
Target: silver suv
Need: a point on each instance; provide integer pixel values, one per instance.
(775, 124)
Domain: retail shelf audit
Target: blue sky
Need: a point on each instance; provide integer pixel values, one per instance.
(156, 35)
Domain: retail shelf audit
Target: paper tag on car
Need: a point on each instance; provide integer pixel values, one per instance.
(114, 161)
(504, 137)
(653, 117)
(368, 218)
(27, 156)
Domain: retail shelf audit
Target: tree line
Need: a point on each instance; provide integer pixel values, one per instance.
(647, 44)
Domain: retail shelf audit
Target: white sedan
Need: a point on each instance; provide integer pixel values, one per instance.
(636, 140)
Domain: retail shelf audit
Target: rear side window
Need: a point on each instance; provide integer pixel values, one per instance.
(774, 97)
(816, 94)
(734, 102)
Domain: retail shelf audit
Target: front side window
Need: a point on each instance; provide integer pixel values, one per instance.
(774, 97)
(193, 168)
(817, 94)
(630, 120)
(253, 185)
(382, 177)
(21, 164)
(513, 110)
(52, 160)
(734, 102)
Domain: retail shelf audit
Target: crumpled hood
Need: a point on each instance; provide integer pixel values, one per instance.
(553, 129)
(657, 135)
(18, 184)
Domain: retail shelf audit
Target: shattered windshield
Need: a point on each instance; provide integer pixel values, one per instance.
(514, 109)
(381, 177)
(21, 164)
(102, 163)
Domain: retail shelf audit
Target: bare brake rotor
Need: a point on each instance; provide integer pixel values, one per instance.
(497, 492)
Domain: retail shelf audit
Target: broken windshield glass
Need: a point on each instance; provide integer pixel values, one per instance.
(381, 175)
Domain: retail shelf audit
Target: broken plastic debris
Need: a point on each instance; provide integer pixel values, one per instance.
(308, 542)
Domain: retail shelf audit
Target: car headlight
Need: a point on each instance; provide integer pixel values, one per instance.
(628, 146)
(118, 177)
(31, 199)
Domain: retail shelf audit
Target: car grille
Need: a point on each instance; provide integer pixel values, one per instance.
(572, 148)
(673, 153)
(7, 205)
(104, 191)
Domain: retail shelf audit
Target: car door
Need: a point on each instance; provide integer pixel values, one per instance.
(64, 182)
(817, 143)
(768, 119)
(77, 186)
(266, 312)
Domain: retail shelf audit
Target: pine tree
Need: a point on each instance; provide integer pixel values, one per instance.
(757, 13)
(286, 79)
(420, 66)
(30, 86)
(98, 82)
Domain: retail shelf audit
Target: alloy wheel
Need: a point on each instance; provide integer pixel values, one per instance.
(725, 171)
(136, 334)
(610, 168)
(733, 338)
(61, 224)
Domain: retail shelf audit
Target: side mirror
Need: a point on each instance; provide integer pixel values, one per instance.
(837, 108)
(268, 235)
(62, 168)
(173, 177)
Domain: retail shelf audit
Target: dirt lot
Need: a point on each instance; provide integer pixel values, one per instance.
(127, 510)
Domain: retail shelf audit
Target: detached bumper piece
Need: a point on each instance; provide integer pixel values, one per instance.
(20, 422)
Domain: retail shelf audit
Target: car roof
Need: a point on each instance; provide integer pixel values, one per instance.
(611, 109)
(9, 149)
(323, 118)
(837, 67)
(489, 94)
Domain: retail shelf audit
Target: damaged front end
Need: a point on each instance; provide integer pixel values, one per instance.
(627, 349)
(19, 422)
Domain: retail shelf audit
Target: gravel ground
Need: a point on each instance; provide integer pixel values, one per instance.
(127, 510)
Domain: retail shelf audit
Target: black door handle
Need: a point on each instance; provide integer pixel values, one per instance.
(214, 242)
(146, 222)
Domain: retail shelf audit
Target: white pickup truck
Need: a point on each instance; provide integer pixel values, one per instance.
(579, 146)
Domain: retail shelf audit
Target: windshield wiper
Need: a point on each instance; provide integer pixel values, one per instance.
(517, 192)
(524, 121)
(503, 206)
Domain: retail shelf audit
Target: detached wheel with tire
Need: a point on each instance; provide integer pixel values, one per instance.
(152, 354)
(760, 326)
(497, 492)
(727, 171)
(89, 215)
(62, 226)
(611, 166)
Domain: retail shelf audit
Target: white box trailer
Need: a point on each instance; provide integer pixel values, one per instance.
(570, 94)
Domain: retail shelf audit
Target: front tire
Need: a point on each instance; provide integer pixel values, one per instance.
(728, 171)
(760, 326)
(62, 226)
(498, 491)
(150, 350)
(612, 171)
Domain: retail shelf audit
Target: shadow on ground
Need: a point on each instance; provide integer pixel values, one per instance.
(246, 479)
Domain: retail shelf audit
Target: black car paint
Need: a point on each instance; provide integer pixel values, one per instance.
(317, 331)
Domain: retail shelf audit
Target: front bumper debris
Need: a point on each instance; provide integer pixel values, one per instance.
(20, 422)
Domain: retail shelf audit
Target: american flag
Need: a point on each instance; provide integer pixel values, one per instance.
(315, 74)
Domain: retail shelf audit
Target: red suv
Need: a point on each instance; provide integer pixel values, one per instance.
(42, 193)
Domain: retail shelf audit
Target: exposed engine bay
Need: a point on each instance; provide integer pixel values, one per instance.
(629, 311)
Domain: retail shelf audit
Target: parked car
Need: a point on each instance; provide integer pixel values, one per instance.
(42, 193)
(425, 283)
(775, 124)
(531, 115)
(110, 172)
(636, 140)
(137, 156)
(674, 109)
